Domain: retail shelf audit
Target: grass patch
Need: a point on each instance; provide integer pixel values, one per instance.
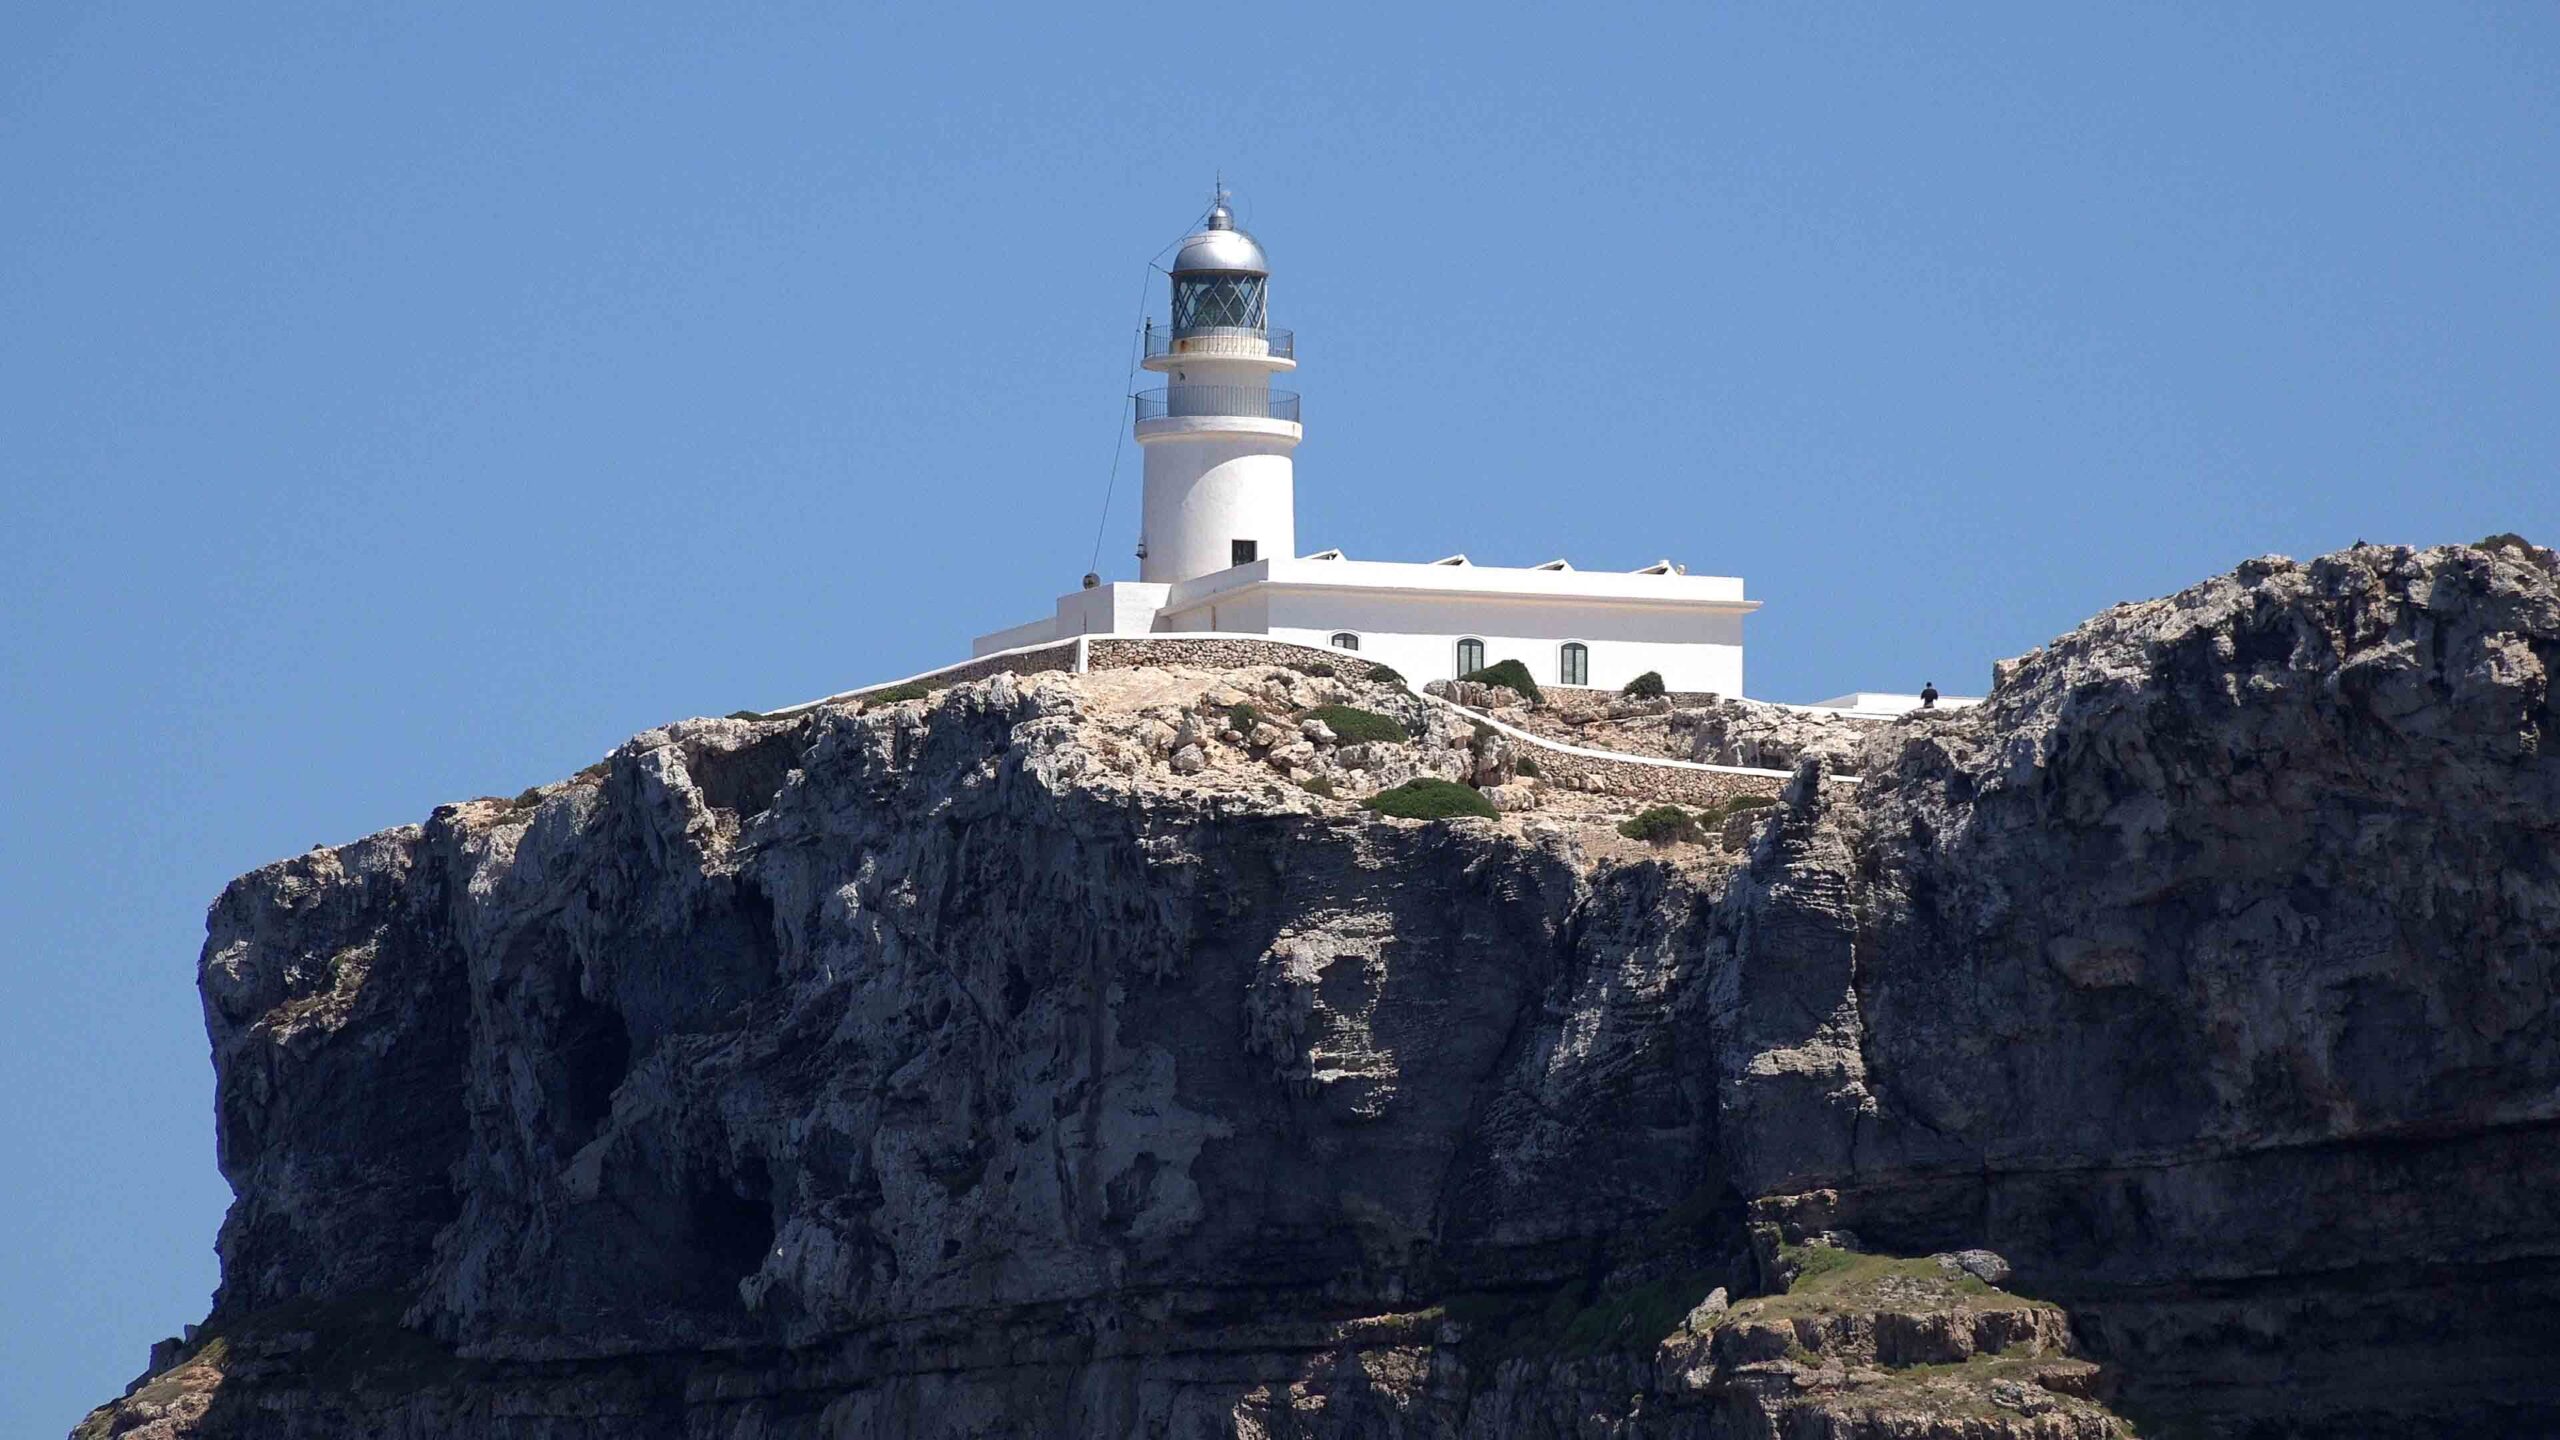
(1429, 800)
(1354, 726)
(1829, 1279)
(911, 690)
(1647, 686)
(1321, 785)
(1242, 717)
(1386, 675)
(1664, 825)
(1509, 673)
(1525, 765)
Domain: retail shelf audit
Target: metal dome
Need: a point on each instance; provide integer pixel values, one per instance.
(1220, 247)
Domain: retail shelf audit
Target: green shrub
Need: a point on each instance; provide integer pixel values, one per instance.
(1664, 825)
(1525, 765)
(1386, 675)
(1321, 785)
(527, 798)
(746, 715)
(1741, 803)
(1355, 726)
(1507, 672)
(1647, 686)
(1429, 800)
(1242, 717)
(1316, 668)
(911, 690)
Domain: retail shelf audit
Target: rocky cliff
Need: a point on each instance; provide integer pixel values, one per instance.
(2171, 1040)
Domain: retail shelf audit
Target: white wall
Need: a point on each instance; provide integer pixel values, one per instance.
(1242, 613)
(1203, 491)
(1419, 634)
(1028, 633)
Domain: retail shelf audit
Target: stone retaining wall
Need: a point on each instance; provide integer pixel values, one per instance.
(1595, 704)
(1568, 770)
(1219, 653)
(1059, 656)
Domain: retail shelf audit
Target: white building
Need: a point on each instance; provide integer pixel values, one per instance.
(1219, 552)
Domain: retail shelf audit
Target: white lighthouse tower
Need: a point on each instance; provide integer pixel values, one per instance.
(1219, 481)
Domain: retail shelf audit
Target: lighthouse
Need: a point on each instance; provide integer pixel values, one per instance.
(1218, 536)
(1220, 484)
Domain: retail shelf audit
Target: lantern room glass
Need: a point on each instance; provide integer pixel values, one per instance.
(1219, 302)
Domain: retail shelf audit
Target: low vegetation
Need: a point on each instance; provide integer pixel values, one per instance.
(1242, 717)
(1510, 674)
(1386, 675)
(1830, 1279)
(1429, 800)
(1354, 726)
(1647, 686)
(744, 715)
(911, 690)
(1742, 804)
(1664, 825)
(1525, 765)
(1320, 785)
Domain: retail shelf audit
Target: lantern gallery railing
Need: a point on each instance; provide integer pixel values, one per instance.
(1249, 401)
(1220, 340)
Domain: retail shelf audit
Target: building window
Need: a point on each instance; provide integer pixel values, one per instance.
(1240, 552)
(1575, 668)
(1470, 656)
(1345, 640)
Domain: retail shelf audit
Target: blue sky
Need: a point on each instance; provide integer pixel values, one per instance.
(398, 408)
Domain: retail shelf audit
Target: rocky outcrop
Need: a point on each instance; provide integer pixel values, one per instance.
(971, 1067)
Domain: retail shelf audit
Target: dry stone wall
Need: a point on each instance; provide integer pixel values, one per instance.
(1057, 658)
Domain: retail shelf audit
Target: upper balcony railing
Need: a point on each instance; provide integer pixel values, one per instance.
(1250, 402)
(1216, 340)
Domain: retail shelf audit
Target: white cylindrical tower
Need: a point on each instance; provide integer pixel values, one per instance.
(1217, 437)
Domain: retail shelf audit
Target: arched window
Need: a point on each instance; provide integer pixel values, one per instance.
(1470, 656)
(1345, 640)
(1575, 666)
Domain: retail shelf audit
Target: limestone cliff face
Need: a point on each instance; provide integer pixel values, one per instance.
(961, 1069)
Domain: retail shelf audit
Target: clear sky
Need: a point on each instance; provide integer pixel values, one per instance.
(395, 409)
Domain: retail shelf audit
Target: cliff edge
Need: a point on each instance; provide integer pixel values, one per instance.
(2169, 1041)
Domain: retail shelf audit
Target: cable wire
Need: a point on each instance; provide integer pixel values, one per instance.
(1120, 425)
